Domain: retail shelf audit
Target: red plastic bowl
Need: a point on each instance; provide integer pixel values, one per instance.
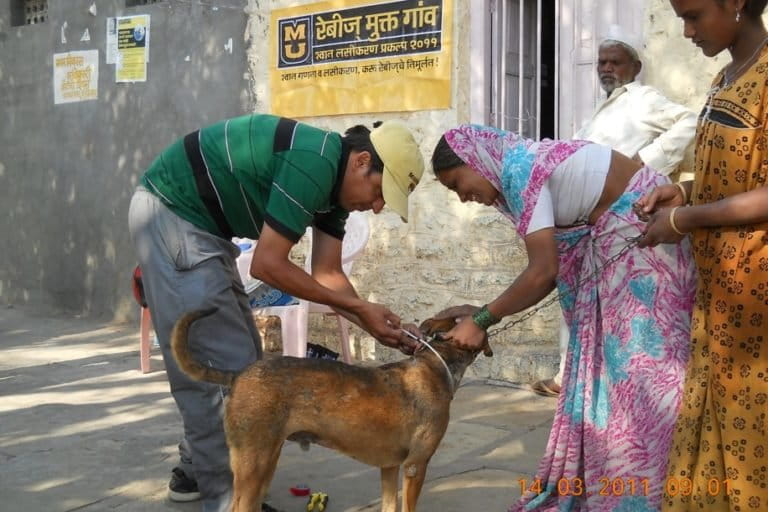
(300, 490)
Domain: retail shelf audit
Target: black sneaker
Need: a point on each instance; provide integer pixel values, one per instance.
(182, 488)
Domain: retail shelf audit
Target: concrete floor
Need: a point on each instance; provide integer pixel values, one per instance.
(81, 428)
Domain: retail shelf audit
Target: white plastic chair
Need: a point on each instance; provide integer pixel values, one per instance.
(294, 318)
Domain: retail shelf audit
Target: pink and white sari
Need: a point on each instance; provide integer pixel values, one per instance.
(630, 331)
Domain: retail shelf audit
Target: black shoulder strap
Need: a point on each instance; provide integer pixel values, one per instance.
(284, 134)
(205, 188)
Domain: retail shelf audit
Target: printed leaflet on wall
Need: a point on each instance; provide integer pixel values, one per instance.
(132, 48)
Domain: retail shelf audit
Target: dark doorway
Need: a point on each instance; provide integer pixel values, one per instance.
(547, 94)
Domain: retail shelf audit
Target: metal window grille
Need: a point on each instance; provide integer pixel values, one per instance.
(522, 73)
(137, 3)
(32, 12)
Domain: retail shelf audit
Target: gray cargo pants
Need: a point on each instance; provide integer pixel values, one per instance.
(186, 268)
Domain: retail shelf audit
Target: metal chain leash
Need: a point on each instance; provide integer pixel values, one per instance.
(632, 241)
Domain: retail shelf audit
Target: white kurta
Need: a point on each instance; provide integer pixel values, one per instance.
(638, 120)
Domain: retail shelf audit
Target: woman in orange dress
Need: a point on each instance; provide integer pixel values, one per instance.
(719, 455)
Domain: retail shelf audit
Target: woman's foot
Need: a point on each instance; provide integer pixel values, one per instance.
(546, 387)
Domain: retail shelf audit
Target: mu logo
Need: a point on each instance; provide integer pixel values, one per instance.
(294, 41)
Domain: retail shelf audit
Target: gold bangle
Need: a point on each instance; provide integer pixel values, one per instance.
(672, 221)
(682, 190)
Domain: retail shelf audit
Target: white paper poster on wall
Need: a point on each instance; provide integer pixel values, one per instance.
(75, 76)
(111, 52)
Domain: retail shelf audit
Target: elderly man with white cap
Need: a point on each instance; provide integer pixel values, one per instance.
(268, 178)
(634, 119)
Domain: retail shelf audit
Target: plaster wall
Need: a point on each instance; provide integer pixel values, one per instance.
(673, 63)
(67, 171)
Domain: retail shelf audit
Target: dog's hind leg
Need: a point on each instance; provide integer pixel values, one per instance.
(252, 470)
(413, 479)
(389, 489)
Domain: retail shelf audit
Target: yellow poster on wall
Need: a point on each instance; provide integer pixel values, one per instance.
(358, 56)
(132, 48)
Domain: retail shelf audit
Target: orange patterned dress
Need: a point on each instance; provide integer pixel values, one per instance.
(719, 456)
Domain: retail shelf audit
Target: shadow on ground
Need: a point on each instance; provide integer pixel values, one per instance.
(82, 429)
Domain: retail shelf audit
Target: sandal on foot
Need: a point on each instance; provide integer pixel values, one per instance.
(546, 387)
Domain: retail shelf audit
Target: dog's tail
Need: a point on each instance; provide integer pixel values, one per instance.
(180, 347)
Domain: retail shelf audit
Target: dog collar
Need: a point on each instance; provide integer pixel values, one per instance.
(425, 343)
(448, 373)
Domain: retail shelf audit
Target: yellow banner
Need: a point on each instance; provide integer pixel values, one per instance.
(358, 56)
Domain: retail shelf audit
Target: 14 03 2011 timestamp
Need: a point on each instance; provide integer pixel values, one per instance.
(624, 487)
(576, 487)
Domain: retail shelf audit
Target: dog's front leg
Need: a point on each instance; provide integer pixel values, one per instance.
(413, 479)
(253, 468)
(389, 489)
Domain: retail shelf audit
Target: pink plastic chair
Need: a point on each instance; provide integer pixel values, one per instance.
(294, 318)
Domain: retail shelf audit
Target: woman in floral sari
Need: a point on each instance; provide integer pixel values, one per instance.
(629, 320)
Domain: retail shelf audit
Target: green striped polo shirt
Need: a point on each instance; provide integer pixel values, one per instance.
(231, 177)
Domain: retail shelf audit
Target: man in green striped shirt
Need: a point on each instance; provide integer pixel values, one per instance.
(267, 178)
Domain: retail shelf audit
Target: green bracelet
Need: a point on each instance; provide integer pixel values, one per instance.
(483, 318)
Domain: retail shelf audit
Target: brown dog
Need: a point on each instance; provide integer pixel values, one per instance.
(388, 416)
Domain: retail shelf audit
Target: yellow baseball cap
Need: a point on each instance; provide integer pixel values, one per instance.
(403, 164)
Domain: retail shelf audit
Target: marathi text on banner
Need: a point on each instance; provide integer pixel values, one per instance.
(379, 52)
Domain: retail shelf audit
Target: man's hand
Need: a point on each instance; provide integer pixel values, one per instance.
(380, 322)
(409, 345)
(467, 335)
(664, 196)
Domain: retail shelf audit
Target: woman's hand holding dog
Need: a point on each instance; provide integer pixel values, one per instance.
(467, 335)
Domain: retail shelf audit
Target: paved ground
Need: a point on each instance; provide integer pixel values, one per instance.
(81, 428)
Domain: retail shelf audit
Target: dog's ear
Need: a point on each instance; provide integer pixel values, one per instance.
(433, 326)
